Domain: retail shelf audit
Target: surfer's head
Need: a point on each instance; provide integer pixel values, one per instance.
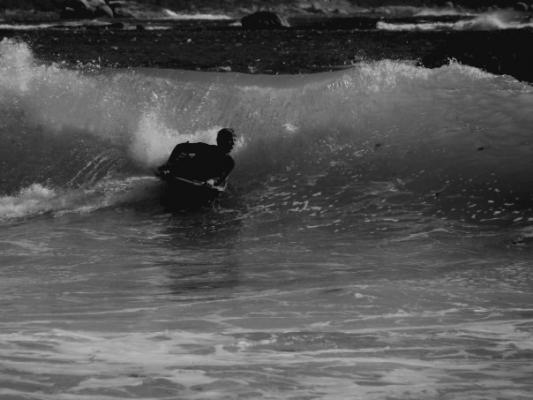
(226, 139)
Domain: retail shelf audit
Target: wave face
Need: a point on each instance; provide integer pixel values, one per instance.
(454, 132)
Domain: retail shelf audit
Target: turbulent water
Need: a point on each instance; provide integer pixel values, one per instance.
(375, 241)
(490, 21)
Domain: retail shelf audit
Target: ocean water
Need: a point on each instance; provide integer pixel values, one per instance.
(486, 21)
(375, 241)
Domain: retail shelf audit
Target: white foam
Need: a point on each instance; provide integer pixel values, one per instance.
(25, 27)
(37, 199)
(199, 16)
(16, 65)
(33, 199)
(438, 12)
(483, 22)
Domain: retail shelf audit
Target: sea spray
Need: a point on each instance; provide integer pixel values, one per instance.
(34, 199)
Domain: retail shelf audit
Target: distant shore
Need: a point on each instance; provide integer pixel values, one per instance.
(315, 47)
(33, 10)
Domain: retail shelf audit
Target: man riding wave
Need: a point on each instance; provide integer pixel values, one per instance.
(201, 163)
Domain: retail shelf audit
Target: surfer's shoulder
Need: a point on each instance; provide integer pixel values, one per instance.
(188, 147)
(197, 146)
(230, 162)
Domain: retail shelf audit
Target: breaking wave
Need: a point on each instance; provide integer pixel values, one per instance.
(440, 12)
(25, 27)
(199, 16)
(484, 22)
(455, 132)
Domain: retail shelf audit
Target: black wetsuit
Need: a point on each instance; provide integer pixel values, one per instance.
(199, 161)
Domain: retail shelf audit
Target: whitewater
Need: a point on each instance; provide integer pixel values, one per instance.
(375, 241)
(488, 21)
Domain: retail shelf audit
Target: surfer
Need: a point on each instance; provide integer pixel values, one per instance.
(202, 162)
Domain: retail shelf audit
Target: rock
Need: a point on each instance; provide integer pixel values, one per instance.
(76, 9)
(263, 20)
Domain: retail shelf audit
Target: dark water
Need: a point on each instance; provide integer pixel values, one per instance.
(375, 241)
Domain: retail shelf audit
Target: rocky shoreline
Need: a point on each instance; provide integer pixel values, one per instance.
(32, 10)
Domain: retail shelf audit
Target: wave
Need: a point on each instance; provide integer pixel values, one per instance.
(198, 16)
(141, 11)
(455, 132)
(441, 12)
(25, 27)
(31, 200)
(37, 199)
(65, 25)
(484, 22)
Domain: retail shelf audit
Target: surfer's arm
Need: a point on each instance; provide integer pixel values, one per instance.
(180, 152)
(228, 167)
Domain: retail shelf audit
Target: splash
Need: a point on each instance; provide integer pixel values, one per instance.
(180, 16)
(35, 199)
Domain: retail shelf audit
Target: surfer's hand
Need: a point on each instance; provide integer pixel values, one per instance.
(217, 184)
(163, 170)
